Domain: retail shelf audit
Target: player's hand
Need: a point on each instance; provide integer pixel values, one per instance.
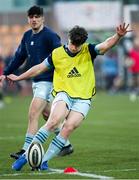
(2, 78)
(12, 77)
(122, 29)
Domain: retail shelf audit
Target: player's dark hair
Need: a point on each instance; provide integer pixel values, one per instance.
(35, 10)
(77, 35)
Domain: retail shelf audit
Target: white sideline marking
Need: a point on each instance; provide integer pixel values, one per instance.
(123, 170)
(59, 171)
(83, 174)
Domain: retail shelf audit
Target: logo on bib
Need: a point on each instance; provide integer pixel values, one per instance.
(74, 73)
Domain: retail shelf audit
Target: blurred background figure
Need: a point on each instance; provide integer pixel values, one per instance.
(132, 62)
(1, 89)
(110, 70)
(134, 69)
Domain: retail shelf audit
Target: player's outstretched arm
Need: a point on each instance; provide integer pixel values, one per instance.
(121, 31)
(34, 71)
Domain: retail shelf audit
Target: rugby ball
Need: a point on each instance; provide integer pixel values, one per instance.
(35, 154)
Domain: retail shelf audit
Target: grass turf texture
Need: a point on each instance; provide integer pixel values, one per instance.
(105, 144)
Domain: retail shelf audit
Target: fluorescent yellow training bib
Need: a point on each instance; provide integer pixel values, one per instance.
(74, 75)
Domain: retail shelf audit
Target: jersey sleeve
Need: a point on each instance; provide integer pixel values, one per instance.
(93, 51)
(48, 62)
(18, 59)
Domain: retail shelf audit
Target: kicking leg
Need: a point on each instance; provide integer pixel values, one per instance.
(68, 148)
(73, 121)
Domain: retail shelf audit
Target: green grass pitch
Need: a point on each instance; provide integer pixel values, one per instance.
(106, 144)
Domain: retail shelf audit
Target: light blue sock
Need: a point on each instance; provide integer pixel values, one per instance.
(54, 148)
(41, 136)
(57, 131)
(28, 140)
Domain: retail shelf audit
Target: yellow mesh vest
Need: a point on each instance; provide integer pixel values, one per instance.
(74, 75)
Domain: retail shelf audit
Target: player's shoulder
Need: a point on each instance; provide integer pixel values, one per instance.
(49, 31)
(90, 45)
(27, 33)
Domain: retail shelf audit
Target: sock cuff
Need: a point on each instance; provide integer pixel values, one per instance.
(46, 132)
(29, 135)
(63, 140)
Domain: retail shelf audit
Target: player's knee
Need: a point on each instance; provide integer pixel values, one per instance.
(33, 115)
(68, 128)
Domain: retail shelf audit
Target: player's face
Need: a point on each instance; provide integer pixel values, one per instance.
(73, 48)
(36, 22)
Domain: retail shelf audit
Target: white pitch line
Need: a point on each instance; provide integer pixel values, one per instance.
(92, 175)
(83, 174)
(30, 174)
(118, 170)
(59, 171)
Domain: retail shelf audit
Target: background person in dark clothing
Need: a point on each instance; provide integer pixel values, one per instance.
(1, 89)
(134, 69)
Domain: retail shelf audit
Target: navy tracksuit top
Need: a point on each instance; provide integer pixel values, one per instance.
(33, 49)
